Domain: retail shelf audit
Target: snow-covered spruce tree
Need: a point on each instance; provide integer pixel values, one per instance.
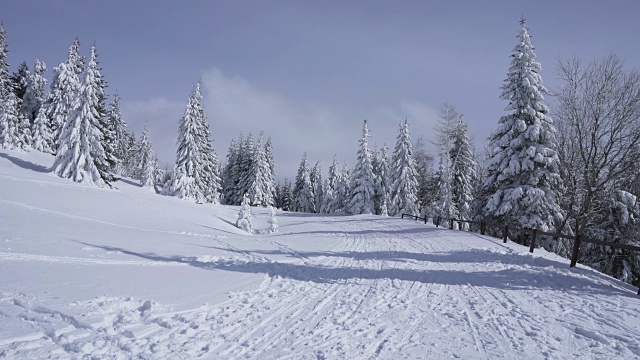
(284, 195)
(79, 144)
(273, 221)
(329, 188)
(245, 166)
(302, 190)
(229, 174)
(187, 178)
(41, 134)
(315, 177)
(260, 190)
(5, 80)
(121, 136)
(34, 95)
(425, 175)
(130, 161)
(211, 183)
(523, 169)
(245, 220)
(363, 179)
(147, 161)
(382, 182)
(12, 124)
(342, 190)
(271, 176)
(64, 90)
(20, 81)
(403, 183)
(462, 172)
(106, 161)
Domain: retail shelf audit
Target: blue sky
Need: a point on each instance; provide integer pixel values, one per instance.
(308, 73)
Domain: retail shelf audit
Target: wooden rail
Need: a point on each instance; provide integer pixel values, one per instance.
(577, 239)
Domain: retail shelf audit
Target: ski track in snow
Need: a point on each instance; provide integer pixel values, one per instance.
(381, 293)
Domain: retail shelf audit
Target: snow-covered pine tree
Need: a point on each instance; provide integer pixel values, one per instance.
(118, 128)
(186, 180)
(41, 134)
(245, 165)
(329, 188)
(302, 190)
(403, 183)
(315, 177)
(271, 178)
(107, 160)
(259, 190)
(363, 179)
(229, 174)
(424, 174)
(80, 146)
(283, 195)
(20, 81)
(245, 220)
(211, 183)
(342, 192)
(523, 168)
(12, 124)
(64, 90)
(5, 80)
(34, 95)
(130, 161)
(147, 161)
(382, 182)
(273, 221)
(462, 172)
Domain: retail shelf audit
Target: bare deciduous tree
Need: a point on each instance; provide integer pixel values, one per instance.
(598, 118)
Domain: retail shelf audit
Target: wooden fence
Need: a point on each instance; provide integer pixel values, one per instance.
(577, 239)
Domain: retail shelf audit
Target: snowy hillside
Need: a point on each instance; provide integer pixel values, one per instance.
(127, 273)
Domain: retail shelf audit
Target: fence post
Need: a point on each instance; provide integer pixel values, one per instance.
(533, 240)
(506, 233)
(576, 250)
(451, 224)
(483, 226)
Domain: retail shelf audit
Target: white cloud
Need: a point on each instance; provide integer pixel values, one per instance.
(234, 105)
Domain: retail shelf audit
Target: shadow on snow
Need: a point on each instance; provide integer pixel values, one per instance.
(531, 273)
(28, 165)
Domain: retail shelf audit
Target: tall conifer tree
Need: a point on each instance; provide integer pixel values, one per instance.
(523, 173)
(363, 179)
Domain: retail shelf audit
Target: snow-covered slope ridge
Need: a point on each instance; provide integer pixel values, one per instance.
(125, 273)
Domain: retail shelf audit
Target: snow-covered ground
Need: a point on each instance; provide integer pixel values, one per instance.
(126, 273)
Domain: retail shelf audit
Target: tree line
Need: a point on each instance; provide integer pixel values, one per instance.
(572, 167)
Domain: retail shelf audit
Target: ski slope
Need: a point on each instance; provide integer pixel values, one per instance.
(127, 273)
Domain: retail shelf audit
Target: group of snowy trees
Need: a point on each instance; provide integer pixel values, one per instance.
(373, 186)
(89, 139)
(250, 171)
(581, 180)
(403, 184)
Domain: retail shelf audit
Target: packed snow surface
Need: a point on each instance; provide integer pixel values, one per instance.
(126, 273)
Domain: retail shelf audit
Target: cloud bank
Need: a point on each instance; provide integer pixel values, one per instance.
(235, 105)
